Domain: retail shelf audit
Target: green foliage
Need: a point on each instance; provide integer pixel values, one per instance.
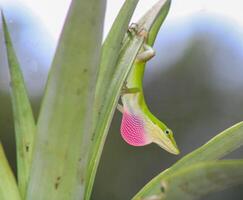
(81, 96)
(197, 180)
(219, 146)
(64, 134)
(23, 117)
(108, 67)
(158, 12)
(8, 186)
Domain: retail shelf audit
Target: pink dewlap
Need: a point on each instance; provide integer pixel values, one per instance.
(132, 130)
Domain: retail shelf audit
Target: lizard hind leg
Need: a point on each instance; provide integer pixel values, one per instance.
(146, 54)
(120, 108)
(130, 91)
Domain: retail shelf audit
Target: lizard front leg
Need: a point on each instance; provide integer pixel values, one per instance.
(126, 90)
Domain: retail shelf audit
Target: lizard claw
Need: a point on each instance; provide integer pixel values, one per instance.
(140, 31)
(143, 33)
(133, 29)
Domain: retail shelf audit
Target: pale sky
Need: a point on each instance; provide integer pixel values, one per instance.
(52, 12)
(36, 18)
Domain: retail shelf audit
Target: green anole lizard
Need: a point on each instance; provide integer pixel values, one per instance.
(139, 126)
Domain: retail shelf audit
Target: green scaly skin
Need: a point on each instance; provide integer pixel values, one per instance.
(134, 86)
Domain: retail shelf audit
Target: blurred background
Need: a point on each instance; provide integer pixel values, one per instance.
(194, 83)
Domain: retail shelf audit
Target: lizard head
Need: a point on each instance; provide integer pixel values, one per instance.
(160, 134)
(165, 139)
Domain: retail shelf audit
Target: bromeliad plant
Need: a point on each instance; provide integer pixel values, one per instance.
(57, 158)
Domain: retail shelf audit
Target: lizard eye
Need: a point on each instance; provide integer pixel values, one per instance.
(167, 131)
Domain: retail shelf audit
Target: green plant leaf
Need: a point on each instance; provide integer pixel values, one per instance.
(159, 12)
(128, 55)
(162, 13)
(197, 180)
(23, 117)
(110, 51)
(8, 185)
(64, 126)
(219, 146)
(108, 94)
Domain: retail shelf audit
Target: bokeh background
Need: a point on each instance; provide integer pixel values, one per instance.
(194, 84)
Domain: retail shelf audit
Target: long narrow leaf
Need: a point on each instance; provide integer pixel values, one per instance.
(197, 180)
(159, 20)
(64, 125)
(159, 11)
(108, 109)
(23, 116)
(110, 51)
(217, 147)
(111, 91)
(8, 185)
